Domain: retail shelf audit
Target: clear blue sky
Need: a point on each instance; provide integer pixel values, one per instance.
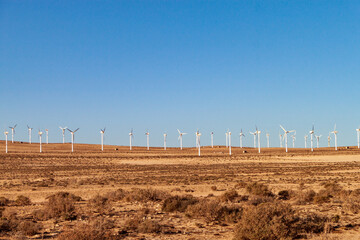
(163, 65)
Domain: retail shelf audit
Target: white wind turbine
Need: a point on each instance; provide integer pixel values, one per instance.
(229, 135)
(165, 135)
(6, 141)
(180, 138)
(329, 138)
(47, 136)
(358, 136)
(317, 140)
(335, 135)
(241, 136)
(227, 138)
(285, 137)
(40, 135)
(258, 134)
(63, 133)
(29, 129)
(198, 135)
(72, 138)
(212, 139)
(254, 133)
(305, 137)
(12, 132)
(102, 132)
(293, 139)
(131, 136)
(311, 138)
(147, 139)
(268, 139)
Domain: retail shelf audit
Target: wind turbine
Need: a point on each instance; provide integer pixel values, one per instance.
(198, 134)
(329, 138)
(241, 136)
(268, 139)
(29, 129)
(102, 132)
(63, 133)
(293, 139)
(40, 135)
(180, 138)
(72, 138)
(131, 136)
(285, 137)
(147, 139)
(6, 140)
(13, 133)
(258, 134)
(254, 133)
(305, 137)
(47, 136)
(229, 135)
(335, 135)
(212, 139)
(311, 138)
(317, 140)
(358, 136)
(165, 135)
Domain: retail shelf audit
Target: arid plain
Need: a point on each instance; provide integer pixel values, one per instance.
(174, 194)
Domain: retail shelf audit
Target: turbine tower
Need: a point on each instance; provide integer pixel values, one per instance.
(227, 138)
(254, 133)
(131, 136)
(311, 138)
(293, 139)
(285, 137)
(212, 139)
(198, 134)
(165, 135)
(147, 139)
(63, 133)
(12, 132)
(72, 138)
(329, 138)
(268, 139)
(317, 140)
(196, 140)
(241, 136)
(258, 134)
(229, 135)
(40, 135)
(29, 129)
(6, 140)
(335, 135)
(358, 136)
(305, 137)
(180, 138)
(47, 136)
(102, 132)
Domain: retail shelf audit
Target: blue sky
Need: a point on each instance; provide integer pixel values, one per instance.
(163, 65)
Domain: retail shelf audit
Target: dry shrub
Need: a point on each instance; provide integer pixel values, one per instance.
(284, 195)
(97, 229)
(139, 224)
(229, 196)
(178, 203)
(61, 205)
(214, 188)
(304, 197)
(4, 201)
(275, 220)
(117, 195)
(323, 196)
(145, 195)
(259, 189)
(9, 221)
(256, 200)
(100, 204)
(213, 211)
(29, 228)
(352, 202)
(22, 201)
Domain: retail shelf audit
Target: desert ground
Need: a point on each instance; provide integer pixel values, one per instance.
(175, 194)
